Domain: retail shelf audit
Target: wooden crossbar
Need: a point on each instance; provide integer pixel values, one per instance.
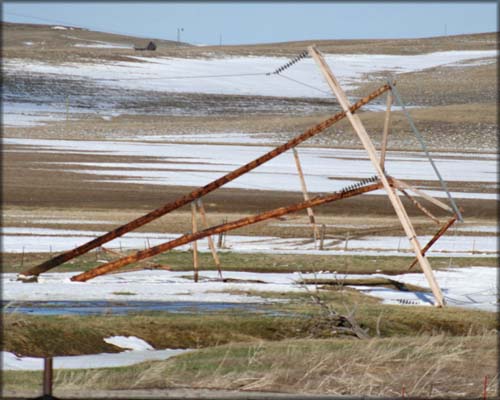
(401, 184)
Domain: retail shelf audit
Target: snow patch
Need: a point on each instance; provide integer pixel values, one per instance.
(129, 343)
(161, 74)
(11, 361)
(191, 164)
(470, 287)
(41, 240)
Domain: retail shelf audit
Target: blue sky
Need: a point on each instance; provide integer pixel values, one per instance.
(261, 22)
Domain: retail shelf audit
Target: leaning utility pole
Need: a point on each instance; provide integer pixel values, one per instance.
(370, 150)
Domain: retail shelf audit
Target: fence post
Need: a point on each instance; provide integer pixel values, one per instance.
(485, 387)
(346, 241)
(47, 377)
(220, 239)
(67, 108)
(322, 236)
(22, 258)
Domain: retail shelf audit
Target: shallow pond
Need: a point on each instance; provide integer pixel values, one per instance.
(128, 307)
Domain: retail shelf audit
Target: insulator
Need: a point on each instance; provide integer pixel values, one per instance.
(290, 63)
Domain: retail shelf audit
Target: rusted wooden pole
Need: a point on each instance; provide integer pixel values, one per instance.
(194, 228)
(187, 238)
(387, 128)
(199, 192)
(201, 210)
(370, 149)
(303, 187)
(438, 234)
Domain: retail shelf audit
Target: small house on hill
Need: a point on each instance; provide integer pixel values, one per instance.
(151, 46)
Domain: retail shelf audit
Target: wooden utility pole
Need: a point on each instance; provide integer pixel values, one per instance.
(201, 210)
(198, 192)
(303, 186)
(195, 243)
(387, 128)
(370, 149)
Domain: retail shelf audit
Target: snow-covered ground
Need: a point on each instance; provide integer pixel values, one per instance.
(473, 287)
(43, 240)
(211, 75)
(210, 137)
(326, 169)
(31, 114)
(137, 351)
(169, 74)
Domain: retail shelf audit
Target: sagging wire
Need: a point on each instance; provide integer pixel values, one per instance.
(305, 84)
(275, 72)
(293, 61)
(184, 77)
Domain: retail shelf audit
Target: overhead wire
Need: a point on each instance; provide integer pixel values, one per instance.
(183, 77)
(304, 84)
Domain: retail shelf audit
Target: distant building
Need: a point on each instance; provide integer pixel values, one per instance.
(151, 46)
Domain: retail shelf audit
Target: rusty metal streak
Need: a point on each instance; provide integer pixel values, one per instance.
(187, 238)
(438, 234)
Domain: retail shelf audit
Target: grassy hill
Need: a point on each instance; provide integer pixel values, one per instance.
(59, 43)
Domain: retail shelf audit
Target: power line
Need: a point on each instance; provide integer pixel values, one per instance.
(182, 77)
(304, 84)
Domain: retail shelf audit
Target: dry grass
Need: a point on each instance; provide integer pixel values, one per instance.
(427, 366)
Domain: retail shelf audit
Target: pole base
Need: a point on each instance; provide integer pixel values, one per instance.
(27, 279)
